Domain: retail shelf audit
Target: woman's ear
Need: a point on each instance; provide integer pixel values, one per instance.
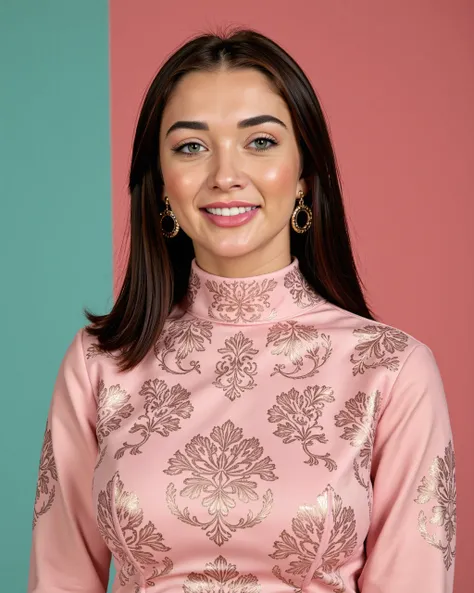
(304, 185)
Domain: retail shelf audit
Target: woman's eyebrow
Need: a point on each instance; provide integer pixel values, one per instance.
(245, 123)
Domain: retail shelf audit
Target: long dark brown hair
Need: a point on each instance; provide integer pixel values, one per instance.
(158, 269)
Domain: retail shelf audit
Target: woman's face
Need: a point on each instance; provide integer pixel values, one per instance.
(231, 182)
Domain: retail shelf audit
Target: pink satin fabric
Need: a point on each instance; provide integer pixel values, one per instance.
(270, 442)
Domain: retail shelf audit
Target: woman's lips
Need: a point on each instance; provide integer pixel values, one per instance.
(230, 220)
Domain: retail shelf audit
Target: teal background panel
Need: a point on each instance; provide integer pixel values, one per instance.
(55, 228)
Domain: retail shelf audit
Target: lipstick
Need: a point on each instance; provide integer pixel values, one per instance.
(230, 214)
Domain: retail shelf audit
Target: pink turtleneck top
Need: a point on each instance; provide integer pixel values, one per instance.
(270, 442)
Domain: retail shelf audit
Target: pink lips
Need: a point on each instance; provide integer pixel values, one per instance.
(230, 221)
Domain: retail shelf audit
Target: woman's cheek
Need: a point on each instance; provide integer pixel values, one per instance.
(181, 188)
(279, 176)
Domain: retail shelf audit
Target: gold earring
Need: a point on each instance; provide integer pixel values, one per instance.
(168, 212)
(301, 208)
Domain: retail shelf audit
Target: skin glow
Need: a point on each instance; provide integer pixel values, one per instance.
(231, 164)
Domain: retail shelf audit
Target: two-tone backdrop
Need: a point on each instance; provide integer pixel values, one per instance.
(396, 81)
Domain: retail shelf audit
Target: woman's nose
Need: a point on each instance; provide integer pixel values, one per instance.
(226, 169)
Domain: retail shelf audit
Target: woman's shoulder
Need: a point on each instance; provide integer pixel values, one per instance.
(373, 343)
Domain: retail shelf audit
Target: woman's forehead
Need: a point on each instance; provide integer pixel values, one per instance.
(224, 95)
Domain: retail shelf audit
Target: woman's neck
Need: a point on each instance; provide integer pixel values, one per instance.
(249, 265)
(240, 300)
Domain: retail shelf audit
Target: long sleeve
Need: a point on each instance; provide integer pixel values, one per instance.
(68, 553)
(412, 538)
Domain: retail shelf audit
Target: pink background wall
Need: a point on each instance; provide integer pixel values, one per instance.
(396, 81)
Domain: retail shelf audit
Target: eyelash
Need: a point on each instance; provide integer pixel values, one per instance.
(178, 149)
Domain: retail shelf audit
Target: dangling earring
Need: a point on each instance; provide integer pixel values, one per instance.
(168, 212)
(301, 208)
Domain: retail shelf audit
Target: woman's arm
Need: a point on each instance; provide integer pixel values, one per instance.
(412, 539)
(68, 553)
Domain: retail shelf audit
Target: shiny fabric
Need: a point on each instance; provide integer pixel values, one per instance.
(270, 442)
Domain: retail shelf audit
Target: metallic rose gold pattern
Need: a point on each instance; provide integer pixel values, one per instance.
(241, 301)
(297, 417)
(299, 343)
(193, 287)
(113, 407)
(376, 343)
(164, 407)
(317, 543)
(237, 369)
(221, 577)
(440, 486)
(359, 420)
(47, 478)
(221, 468)
(178, 340)
(93, 350)
(302, 293)
(120, 520)
(247, 430)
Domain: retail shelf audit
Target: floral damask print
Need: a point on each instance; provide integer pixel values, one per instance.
(299, 343)
(194, 285)
(241, 300)
(440, 486)
(113, 407)
(302, 293)
(94, 350)
(318, 545)
(47, 478)
(120, 521)
(164, 406)
(182, 337)
(375, 343)
(237, 369)
(297, 417)
(359, 420)
(221, 577)
(221, 469)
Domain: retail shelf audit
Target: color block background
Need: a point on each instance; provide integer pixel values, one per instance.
(55, 228)
(396, 81)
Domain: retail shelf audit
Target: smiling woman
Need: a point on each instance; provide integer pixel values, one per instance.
(243, 172)
(244, 423)
(230, 121)
(229, 214)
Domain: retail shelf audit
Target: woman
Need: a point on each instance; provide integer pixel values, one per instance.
(240, 422)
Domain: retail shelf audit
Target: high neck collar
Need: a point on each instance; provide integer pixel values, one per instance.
(270, 297)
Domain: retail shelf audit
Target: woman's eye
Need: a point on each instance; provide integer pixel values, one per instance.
(263, 143)
(192, 146)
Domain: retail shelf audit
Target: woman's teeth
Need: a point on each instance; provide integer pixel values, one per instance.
(230, 211)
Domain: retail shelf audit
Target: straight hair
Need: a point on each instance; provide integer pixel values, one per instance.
(158, 269)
